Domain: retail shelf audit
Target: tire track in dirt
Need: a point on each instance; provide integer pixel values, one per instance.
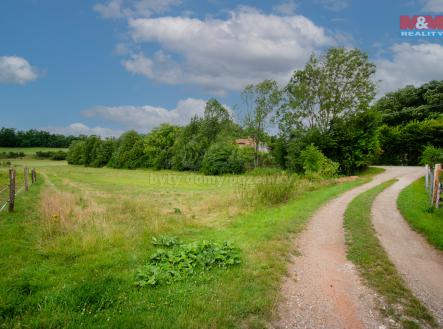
(419, 263)
(323, 289)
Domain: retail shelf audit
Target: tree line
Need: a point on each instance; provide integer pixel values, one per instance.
(10, 137)
(204, 144)
(325, 119)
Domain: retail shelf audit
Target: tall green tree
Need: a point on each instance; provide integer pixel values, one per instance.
(129, 151)
(215, 119)
(412, 118)
(335, 85)
(261, 100)
(159, 146)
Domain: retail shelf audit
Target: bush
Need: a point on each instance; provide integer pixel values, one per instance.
(403, 144)
(75, 153)
(11, 155)
(58, 155)
(316, 163)
(432, 155)
(222, 158)
(248, 156)
(158, 146)
(129, 153)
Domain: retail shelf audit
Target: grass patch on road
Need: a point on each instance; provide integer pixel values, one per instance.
(414, 205)
(364, 250)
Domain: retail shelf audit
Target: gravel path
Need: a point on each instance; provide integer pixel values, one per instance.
(323, 289)
(419, 263)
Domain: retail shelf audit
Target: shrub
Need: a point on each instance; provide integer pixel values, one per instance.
(58, 155)
(165, 241)
(76, 153)
(129, 153)
(158, 145)
(222, 158)
(432, 155)
(248, 156)
(316, 163)
(11, 155)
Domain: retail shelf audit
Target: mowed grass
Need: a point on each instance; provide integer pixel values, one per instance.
(70, 252)
(396, 301)
(414, 205)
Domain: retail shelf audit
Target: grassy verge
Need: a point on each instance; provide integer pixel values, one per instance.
(364, 250)
(70, 252)
(413, 203)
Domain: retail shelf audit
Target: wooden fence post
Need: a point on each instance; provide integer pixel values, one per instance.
(435, 183)
(427, 177)
(33, 176)
(11, 189)
(26, 173)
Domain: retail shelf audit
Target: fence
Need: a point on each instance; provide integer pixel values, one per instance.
(8, 192)
(433, 184)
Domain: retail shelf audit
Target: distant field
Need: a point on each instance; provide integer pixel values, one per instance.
(71, 251)
(30, 150)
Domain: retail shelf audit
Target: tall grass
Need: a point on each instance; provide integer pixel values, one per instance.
(277, 188)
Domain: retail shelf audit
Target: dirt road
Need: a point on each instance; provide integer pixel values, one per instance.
(323, 289)
(420, 264)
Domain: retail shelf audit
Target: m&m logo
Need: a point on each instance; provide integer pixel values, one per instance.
(421, 22)
(421, 26)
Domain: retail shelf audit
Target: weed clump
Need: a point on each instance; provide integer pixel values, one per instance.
(184, 260)
(165, 241)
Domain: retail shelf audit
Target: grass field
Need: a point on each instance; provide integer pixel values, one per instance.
(414, 205)
(30, 150)
(70, 252)
(364, 250)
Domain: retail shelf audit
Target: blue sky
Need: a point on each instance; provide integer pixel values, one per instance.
(105, 66)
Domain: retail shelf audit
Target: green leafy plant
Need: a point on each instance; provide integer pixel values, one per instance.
(222, 158)
(169, 266)
(165, 241)
(316, 163)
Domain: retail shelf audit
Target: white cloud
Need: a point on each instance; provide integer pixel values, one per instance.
(410, 65)
(433, 6)
(133, 8)
(78, 128)
(285, 8)
(334, 5)
(247, 47)
(144, 118)
(16, 70)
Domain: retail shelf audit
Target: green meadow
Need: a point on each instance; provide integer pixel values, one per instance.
(71, 250)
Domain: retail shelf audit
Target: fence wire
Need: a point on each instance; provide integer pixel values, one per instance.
(18, 189)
